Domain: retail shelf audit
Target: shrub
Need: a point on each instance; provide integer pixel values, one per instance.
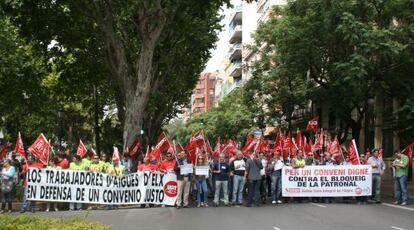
(25, 222)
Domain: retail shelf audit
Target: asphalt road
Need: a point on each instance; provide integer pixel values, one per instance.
(309, 216)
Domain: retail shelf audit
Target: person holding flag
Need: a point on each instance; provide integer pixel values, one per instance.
(252, 175)
(274, 169)
(201, 183)
(237, 169)
(183, 179)
(221, 171)
(168, 165)
(30, 163)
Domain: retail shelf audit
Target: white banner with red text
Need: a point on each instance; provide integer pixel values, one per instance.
(98, 188)
(327, 181)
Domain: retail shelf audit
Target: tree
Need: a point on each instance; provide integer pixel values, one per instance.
(346, 51)
(230, 120)
(134, 43)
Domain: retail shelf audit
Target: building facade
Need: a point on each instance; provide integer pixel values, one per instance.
(203, 96)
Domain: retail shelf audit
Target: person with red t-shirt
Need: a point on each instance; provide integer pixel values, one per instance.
(147, 166)
(168, 165)
(26, 204)
(63, 163)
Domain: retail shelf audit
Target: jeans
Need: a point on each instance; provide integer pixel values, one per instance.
(263, 188)
(6, 198)
(202, 187)
(238, 184)
(221, 185)
(27, 204)
(230, 188)
(254, 192)
(376, 187)
(401, 189)
(276, 187)
(183, 191)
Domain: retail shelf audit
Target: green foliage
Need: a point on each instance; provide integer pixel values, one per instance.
(33, 222)
(231, 119)
(340, 53)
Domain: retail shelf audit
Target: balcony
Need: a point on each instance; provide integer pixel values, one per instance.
(237, 16)
(235, 34)
(262, 6)
(236, 52)
(236, 69)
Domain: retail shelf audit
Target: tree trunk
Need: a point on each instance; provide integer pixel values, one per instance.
(137, 100)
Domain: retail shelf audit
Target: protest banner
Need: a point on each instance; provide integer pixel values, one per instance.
(327, 181)
(57, 185)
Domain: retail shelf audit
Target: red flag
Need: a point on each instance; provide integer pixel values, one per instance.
(299, 141)
(162, 145)
(41, 149)
(287, 144)
(93, 152)
(409, 151)
(179, 148)
(308, 148)
(313, 124)
(319, 142)
(209, 151)
(115, 155)
(134, 148)
(334, 148)
(353, 153)
(380, 153)
(230, 149)
(278, 143)
(217, 149)
(250, 143)
(19, 149)
(196, 141)
(81, 151)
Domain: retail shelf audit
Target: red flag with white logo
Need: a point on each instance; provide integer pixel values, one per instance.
(19, 149)
(81, 151)
(41, 149)
(313, 124)
(299, 140)
(134, 148)
(353, 153)
(319, 142)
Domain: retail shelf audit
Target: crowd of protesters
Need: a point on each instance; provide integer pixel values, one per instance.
(229, 181)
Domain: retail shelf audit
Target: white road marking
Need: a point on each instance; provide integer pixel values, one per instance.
(397, 228)
(276, 228)
(319, 205)
(397, 206)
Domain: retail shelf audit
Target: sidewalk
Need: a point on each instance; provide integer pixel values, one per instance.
(387, 190)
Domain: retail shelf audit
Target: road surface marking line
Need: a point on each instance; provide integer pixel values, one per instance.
(397, 228)
(276, 228)
(400, 207)
(319, 205)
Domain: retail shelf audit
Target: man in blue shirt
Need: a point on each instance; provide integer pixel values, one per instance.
(221, 172)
